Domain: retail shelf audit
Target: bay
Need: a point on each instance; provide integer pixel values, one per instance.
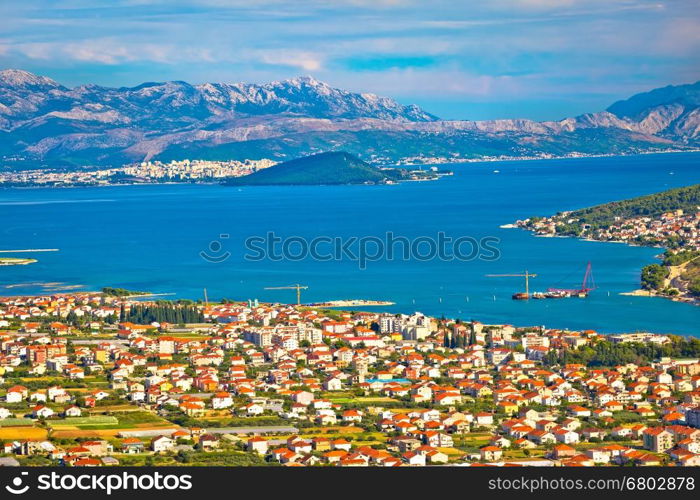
(150, 237)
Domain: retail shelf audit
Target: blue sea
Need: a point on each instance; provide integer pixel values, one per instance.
(150, 238)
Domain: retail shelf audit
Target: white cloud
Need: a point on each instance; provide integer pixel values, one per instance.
(515, 48)
(306, 61)
(110, 51)
(546, 4)
(97, 52)
(445, 81)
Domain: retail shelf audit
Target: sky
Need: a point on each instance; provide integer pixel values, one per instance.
(458, 59)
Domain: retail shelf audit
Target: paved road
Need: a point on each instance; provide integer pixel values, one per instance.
(203, 395)
(216, 430)
(166, 431)
(254, 430)
(100, 341)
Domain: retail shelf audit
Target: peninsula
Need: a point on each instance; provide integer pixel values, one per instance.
(669, 219)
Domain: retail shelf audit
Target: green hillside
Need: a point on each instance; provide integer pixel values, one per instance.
(651, 205)
(323, 168)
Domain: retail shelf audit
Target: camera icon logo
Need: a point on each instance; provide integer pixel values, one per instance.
(216, 254)
(16, 488)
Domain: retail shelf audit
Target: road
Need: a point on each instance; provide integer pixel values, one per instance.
(254, 430)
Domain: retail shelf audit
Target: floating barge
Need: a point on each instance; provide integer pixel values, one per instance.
(562, 293)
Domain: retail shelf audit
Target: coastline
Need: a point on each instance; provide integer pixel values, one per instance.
(352, 303)
(640, 292)
(552, 157)
(388, 165)
(347, 305)
(455, 303)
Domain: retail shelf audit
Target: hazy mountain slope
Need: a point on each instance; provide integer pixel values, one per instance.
(671, 111)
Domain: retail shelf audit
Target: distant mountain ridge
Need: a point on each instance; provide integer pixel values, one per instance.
(44, 123)
(26, 97)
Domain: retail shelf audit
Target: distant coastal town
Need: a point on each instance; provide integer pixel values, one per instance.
(98, 379)
(193, 171)
(208, 171)
(143, 172)
(670, 219)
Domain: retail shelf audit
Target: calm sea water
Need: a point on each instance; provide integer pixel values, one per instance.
(150, 237)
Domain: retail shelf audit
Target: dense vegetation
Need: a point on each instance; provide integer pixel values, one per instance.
(324, 168)
(691, 274)
(652, 205)
(606, 353)
(678, 258)
(221, 458)
(653, 276)
(163, 312)
(119, 292)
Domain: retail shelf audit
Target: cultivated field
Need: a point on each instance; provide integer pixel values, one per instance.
(19, 433)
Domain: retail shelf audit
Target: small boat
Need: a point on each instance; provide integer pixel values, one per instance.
(521, 296)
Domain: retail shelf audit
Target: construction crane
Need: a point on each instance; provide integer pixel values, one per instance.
(527, 275)
(587, 285)
(296, 287)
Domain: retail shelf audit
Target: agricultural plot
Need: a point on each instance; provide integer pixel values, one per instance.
(91, 422)
(362, 400)
(140, 419)
(106, 426)
(19, 433)
(17, 422)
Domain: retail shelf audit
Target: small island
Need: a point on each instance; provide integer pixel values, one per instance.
(13, 261)
(332, 168)
(669, 219)
(121, 292)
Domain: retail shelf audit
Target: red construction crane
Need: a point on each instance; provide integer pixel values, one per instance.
(585, 286)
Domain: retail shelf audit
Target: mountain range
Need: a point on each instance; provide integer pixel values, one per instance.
(43, 123)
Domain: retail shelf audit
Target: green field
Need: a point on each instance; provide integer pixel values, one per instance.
(86, 422)
(132, 418)
(16, 422)
(124, 420)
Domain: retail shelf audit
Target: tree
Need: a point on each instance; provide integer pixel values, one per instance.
(653, 276)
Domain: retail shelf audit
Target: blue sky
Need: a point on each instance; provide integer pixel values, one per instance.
(481, 59)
